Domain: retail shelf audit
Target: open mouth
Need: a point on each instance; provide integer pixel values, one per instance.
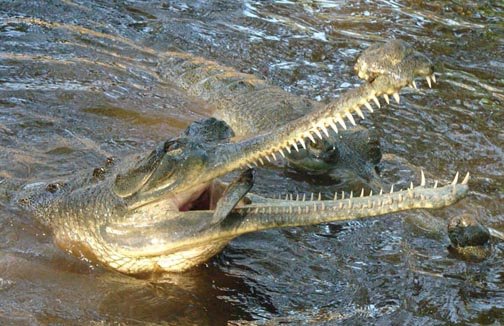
(202, 203)
(201, 198)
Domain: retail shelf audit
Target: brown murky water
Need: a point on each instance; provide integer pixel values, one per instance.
(79, 82)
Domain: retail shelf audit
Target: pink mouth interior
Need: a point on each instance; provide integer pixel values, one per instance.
(200, 203)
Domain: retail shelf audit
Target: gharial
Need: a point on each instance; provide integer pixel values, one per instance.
(167, 211)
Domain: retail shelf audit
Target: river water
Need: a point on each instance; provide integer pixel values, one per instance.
(79, 82)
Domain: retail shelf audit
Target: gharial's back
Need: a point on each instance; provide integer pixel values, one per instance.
(247, 103)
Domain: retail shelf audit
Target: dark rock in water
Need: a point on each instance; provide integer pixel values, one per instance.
(473, 254)
(466, 231)
(468, 239)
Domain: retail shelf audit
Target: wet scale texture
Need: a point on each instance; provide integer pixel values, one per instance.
(79, 83)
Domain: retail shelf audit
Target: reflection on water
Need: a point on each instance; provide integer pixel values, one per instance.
(79, 82)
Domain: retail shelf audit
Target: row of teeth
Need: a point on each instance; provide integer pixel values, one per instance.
(332, 123)
(298, 197)
(320, 205)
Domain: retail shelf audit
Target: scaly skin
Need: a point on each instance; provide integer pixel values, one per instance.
(167, 212)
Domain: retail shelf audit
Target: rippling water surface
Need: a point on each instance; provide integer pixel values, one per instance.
(79, 82)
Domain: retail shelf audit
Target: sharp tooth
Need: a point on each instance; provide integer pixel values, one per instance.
(273, 156)
(368, 106)
(350, 117)
(422, 180)
(249, 166)
(311, 197)
(414, 84)
(429, 81)
(340, 121)
(281, 152)
(375, 100)
(297, 197)
(371, 193)
(295, 146)
(396, 97)
(342, 195)
(362, 192)
(267, 157)
(455, 179)
(261, 161)
(301, 140)
(392, 189)
(351, 194)
(335, 196)
(319, 196)
(333, 126)
(310, 136)
(359, 112)
(317, 132)
(433, 76)
(435, 184)
(304, 197)
(287, 148)
(411, 185)
(467, 177)
(385, 96)
(381, 191)
(410, 193)
(324, 129)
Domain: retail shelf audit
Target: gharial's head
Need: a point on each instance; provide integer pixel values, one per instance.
(176, 165)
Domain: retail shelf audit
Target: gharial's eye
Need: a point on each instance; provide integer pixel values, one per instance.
(170, 145)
